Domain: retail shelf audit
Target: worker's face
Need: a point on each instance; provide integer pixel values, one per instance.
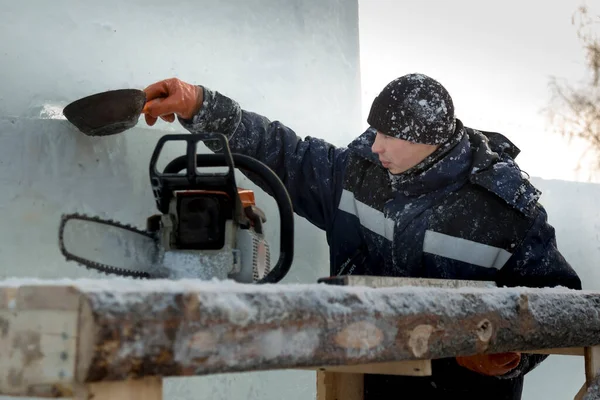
(399, 155)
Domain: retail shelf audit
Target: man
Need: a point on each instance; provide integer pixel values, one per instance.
(417, 195)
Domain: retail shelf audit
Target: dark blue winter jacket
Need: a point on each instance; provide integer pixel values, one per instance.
(470, 215)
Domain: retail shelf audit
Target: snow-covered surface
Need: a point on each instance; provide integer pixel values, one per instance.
(190, 265)
(125, 285)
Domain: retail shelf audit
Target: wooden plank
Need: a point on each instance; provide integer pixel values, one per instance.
(567, 351)
(85, 341)
(407, 368)
(38, 342)
(149, 388)
(340, 386)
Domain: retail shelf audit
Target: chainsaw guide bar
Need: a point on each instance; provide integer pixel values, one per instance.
(136, 237)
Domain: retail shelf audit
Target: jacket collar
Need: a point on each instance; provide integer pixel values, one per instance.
(494, 168)
(474, 152)
(429, 175)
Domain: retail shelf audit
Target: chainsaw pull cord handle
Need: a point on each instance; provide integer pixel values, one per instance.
(279, 193)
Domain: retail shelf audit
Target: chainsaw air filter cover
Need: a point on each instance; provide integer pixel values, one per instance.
(106, 113)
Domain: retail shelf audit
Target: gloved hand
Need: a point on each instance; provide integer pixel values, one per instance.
(490, 364)
(172, 96)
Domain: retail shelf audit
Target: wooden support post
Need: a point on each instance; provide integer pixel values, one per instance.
(340, 386)
(591, 389)
(592, 363)
(149, 388)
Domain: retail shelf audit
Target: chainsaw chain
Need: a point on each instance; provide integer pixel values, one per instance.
(106, 269)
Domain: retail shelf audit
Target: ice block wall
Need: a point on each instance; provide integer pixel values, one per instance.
(293, 61)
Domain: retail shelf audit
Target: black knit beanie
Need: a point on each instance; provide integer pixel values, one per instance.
(416, 108)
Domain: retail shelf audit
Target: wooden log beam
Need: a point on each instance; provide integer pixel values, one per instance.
(55, 333)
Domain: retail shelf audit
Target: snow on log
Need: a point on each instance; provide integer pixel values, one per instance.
(593, 391)
(56, 333)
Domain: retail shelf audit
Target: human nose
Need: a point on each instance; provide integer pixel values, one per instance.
(376, 147)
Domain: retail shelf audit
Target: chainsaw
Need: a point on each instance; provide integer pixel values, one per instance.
(207, 227)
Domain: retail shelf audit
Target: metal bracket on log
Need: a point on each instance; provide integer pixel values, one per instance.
(116, 338)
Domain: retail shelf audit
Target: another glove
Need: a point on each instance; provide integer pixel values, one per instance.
(490, 364)
(171, 97)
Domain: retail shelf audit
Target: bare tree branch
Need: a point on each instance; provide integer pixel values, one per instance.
(575, 111)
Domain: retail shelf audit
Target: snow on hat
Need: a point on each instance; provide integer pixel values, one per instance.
(415, 108)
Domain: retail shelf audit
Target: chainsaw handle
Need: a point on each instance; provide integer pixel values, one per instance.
(166, 183)
(279, 192)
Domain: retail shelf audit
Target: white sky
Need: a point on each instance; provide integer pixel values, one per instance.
(495, 58)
